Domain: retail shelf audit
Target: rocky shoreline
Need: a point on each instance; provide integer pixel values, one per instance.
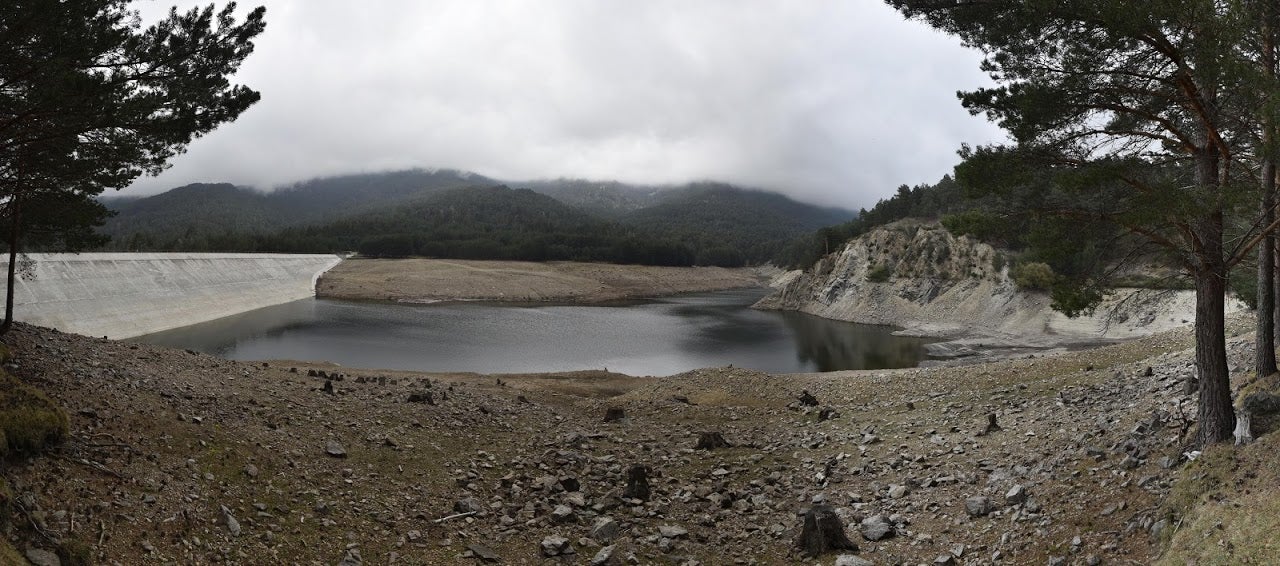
(178, 457)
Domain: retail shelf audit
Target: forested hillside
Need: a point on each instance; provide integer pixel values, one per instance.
(445, 213)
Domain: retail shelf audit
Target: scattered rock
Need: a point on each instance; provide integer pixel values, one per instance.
(827, 413)
(351, 558)
(333, 448)
(604, 557)
(852, 560)
(233, 526)
(979, 506)
(614, 414)
(563, 514)
(605, 530)
(672, 531)
(39, 557)
(484, 553)
(876, 528)
(554, 545)
(1016, 495)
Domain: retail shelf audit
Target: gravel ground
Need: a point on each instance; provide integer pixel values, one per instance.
(184, 458)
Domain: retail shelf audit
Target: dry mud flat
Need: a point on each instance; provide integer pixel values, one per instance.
(420, 280)
(189, 459)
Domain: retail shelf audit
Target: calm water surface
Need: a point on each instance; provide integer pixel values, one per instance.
(652, 337)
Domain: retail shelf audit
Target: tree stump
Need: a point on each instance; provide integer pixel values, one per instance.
(807, 399)
(613, 414)
(328, 387)
(991, 425)
(637, 483)
(711, 441)
(823, 532)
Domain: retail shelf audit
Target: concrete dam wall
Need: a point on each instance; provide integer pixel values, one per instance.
(122, 295)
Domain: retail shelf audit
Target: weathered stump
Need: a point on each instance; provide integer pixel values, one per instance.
(807, 399)
(637, 483)
(328, 387)
(991, 425)
(823, 532)
(613, 414)
(711, 441)
(827, 413)
(426, 397)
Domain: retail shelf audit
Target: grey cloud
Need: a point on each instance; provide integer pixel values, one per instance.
(831, 102)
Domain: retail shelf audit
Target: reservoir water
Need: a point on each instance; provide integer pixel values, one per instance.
(659, 336)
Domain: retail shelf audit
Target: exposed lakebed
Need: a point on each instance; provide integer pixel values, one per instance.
(658, 336)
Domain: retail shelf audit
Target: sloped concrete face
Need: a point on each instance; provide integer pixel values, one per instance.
(122, 295)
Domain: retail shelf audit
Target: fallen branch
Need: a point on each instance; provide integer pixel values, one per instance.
(96, 466)
(35, 525)
(457, 516)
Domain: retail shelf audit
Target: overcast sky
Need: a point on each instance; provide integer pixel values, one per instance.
(833, 102)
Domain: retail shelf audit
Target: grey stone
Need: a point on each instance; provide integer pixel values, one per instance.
(556, 546)
(605, 530)
(897, 491)
(1016, 495)
(483, 552)
(672, 531)
(978, 506)
(39, 557)
(851, 560)
(563, 514)
(876, 528)
(333, 448)
(605, 556)
(351, 558)
(233, 526)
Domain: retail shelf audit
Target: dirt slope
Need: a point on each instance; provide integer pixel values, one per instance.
(163, 440)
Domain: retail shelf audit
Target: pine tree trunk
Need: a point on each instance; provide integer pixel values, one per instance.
(1265, 351)
(15, 221)
(1216, 418)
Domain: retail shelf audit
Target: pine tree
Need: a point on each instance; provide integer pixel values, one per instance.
(89, 100)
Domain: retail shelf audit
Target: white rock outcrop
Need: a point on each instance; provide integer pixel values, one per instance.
(921, 278)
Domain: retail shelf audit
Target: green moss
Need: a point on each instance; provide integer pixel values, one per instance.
(29, 421)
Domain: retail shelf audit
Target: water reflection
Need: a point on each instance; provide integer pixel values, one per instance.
(832, 347)
(655, 337)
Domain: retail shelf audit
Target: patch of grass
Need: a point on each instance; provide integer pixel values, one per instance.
(9, 555)
(1226, 507)
(29, 421)
(75, 552)
(879, 273)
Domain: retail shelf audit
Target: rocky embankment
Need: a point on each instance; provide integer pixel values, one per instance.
(430, 280)
(921, 278)
(176, 457)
